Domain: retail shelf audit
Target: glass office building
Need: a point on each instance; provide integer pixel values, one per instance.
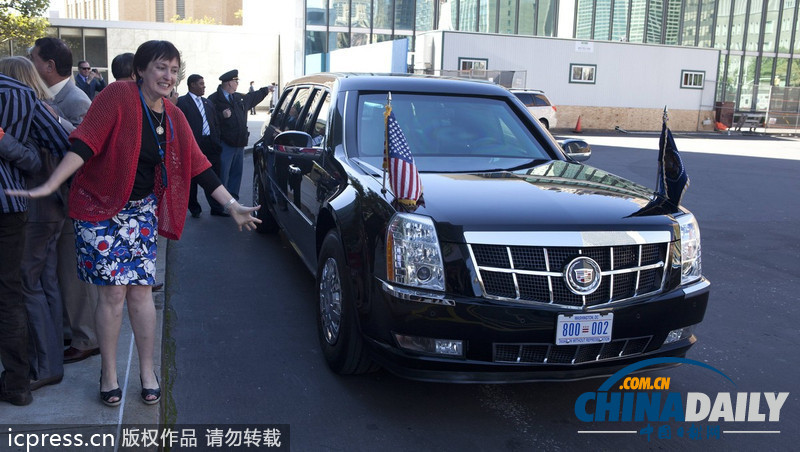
(759, 40)
(338, 24)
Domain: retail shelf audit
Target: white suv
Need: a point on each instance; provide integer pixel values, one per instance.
(539, 105)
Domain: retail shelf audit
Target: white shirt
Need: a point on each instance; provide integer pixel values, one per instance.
(199, 102)
(55, 89)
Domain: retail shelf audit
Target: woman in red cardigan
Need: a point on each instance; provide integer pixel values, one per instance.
(135, 156)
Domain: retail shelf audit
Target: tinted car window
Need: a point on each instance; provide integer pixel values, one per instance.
(281, 111)
(526, 98)
(449, 133)
(320, 120)
(540, 101)
(311, 116)
(307, 115)
(294, 120)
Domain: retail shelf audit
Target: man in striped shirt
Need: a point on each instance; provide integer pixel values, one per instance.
(23, 119)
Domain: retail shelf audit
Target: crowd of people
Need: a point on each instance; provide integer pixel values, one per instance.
(87, 183)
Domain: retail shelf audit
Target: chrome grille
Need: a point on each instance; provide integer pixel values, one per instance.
(535, 274)
(569, 354)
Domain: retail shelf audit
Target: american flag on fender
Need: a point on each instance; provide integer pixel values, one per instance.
(403, 175)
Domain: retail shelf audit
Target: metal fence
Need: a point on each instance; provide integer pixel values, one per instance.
(508, 79)
(784, 108)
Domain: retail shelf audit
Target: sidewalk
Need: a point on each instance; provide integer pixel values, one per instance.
(74, 405)
(76, 400)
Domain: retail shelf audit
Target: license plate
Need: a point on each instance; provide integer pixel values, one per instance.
(584, 328)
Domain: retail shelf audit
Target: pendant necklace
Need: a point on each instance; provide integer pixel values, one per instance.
(160, 119)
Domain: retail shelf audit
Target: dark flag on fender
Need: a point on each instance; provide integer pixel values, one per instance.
(672, 178)
(404, 178)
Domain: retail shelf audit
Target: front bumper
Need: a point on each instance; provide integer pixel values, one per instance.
(487, 327)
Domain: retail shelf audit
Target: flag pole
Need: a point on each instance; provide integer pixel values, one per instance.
(386, 113)
(662, 153)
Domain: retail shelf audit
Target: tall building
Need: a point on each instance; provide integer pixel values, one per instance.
(759, 40)
(224, 12)
(335, 24)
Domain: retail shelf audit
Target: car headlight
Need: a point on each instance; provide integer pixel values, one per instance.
(690, 249)
(413, 255)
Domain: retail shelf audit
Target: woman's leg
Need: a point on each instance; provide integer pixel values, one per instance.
(142, 312)
(108, 321)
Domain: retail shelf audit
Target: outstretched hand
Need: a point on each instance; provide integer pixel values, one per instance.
(241, 214)
(38, 192)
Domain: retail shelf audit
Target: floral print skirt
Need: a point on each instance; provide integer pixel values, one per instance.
(119, 251)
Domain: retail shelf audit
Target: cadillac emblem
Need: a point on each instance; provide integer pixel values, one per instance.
(582, 275)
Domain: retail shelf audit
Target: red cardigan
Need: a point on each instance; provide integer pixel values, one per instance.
(112, 128)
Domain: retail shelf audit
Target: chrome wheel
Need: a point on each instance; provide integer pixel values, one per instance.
(330, 301)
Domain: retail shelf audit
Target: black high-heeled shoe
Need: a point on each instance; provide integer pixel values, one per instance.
(151, 392)
(106, 396)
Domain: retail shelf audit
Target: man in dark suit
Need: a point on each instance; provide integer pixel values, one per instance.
(200, 114)
(89, 80)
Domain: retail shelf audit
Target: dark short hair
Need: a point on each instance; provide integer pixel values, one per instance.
(55, 49)
(122, 65)
(193, 79)
(151, 51)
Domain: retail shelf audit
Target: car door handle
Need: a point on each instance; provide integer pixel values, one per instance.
(294, 170)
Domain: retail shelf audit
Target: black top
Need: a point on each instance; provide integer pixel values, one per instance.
(149, 159)
(233, 129)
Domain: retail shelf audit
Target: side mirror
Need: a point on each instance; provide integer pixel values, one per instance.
(294, 138)
(577, 150)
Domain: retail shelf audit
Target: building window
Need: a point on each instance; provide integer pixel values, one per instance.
(692, 79)
(582, 73)
(316, 12)
(361, 15)
(527, 18)
(159, 10)
(473, 64)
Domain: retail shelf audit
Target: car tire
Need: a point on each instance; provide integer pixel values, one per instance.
(268, 223)
(339, 336)
(545, 123)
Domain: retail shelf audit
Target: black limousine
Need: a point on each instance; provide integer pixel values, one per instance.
(523, 264)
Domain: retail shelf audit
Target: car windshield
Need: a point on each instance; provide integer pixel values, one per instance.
(449, 133)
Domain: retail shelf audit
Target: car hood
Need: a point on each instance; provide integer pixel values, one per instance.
(558, 195)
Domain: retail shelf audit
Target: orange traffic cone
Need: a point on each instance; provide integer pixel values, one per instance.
(578, 126)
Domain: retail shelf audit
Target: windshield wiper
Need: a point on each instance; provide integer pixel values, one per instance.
(530, 164)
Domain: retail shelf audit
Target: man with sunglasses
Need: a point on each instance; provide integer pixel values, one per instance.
(89, 80)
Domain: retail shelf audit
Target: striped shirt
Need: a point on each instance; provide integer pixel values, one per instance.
(25, 118)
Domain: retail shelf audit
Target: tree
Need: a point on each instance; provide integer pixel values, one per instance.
(22, 21)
